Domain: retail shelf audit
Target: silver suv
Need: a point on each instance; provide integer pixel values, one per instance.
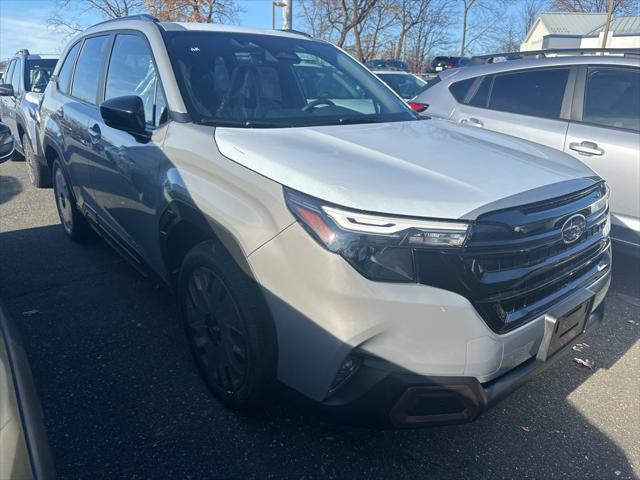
(27, 75)
(315, 230)
(587, 106)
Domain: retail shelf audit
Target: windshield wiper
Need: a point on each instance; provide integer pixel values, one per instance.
(223, 122)
(360, 119)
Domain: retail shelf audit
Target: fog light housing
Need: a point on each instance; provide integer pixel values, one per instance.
(347, 370)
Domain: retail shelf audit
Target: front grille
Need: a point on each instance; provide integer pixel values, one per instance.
(516, 265)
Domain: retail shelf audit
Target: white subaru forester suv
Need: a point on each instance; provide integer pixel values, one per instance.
(316, 232)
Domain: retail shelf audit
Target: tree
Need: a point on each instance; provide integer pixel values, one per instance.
(529, 13)
(204, 11)
(339, 21)
(409, 14)
(70, 13)
(431, 34)
(481, 18)
(314, 14)
(510, 36)
(378, 32)
(400, 29)
(620, 7)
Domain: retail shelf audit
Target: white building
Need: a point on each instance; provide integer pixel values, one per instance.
(581, 30)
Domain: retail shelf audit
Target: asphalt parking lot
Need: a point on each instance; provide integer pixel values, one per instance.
(122, 397)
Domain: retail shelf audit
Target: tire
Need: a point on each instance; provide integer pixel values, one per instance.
(228, 327)
(38, 173)
(73, 222)
(17, 156)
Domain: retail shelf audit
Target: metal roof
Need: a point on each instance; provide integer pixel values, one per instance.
(619, 26)
(561, 23)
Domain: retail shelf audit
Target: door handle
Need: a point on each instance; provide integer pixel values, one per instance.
(586, 148)
(474, 122)
(94, 133)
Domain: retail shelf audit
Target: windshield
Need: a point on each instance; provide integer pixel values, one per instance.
(249, 80)
(37, 74)
(407, 86)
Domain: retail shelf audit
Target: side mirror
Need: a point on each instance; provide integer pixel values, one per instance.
(6, 143)
(6, 90)
(124, 113)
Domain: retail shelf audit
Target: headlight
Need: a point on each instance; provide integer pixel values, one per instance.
(602, 203)
(380, 247)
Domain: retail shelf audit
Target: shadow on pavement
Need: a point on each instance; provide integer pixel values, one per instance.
(122, 396)
(9, 188)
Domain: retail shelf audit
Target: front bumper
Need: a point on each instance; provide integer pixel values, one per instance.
(380, 395)
(409, 335)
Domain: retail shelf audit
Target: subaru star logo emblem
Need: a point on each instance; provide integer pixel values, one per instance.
(573, 228)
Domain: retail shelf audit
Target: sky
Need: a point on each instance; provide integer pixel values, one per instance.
(23, 24)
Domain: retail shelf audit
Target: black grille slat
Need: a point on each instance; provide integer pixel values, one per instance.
(515, 263)
(540, 259)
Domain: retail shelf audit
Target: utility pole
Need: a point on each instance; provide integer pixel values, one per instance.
(608, 24)
(287, 15)
(273, 12)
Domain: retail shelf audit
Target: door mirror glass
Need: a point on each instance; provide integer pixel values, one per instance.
(6, 90)
(124, 113)
(6, 143)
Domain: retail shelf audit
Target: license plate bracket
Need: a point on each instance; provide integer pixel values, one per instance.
(561, 330)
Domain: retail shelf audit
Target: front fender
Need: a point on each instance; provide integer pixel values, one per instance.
(51, 137)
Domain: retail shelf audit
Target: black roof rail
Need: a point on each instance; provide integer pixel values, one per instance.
(482, 59)
(141, 16)
(291, 30)
(23, 51)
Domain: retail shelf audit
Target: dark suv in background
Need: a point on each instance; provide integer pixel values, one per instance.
(438, 64)
(24, 82)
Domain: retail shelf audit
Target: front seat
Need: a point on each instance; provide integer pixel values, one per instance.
(245, 99)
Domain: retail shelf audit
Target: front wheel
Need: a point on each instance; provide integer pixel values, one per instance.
(38, 173)
(73, 222)
(228, 326)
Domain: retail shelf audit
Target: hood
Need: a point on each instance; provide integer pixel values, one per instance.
(431, 168)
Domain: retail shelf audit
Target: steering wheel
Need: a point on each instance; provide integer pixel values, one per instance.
(315, 103)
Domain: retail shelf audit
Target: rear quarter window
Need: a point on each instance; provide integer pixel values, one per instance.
(64, 75)
(481, 97)
(459, 89)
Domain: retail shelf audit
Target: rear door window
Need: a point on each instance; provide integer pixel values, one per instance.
(89, 69)
(612, 97)
(538, 93)
(64, 75)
